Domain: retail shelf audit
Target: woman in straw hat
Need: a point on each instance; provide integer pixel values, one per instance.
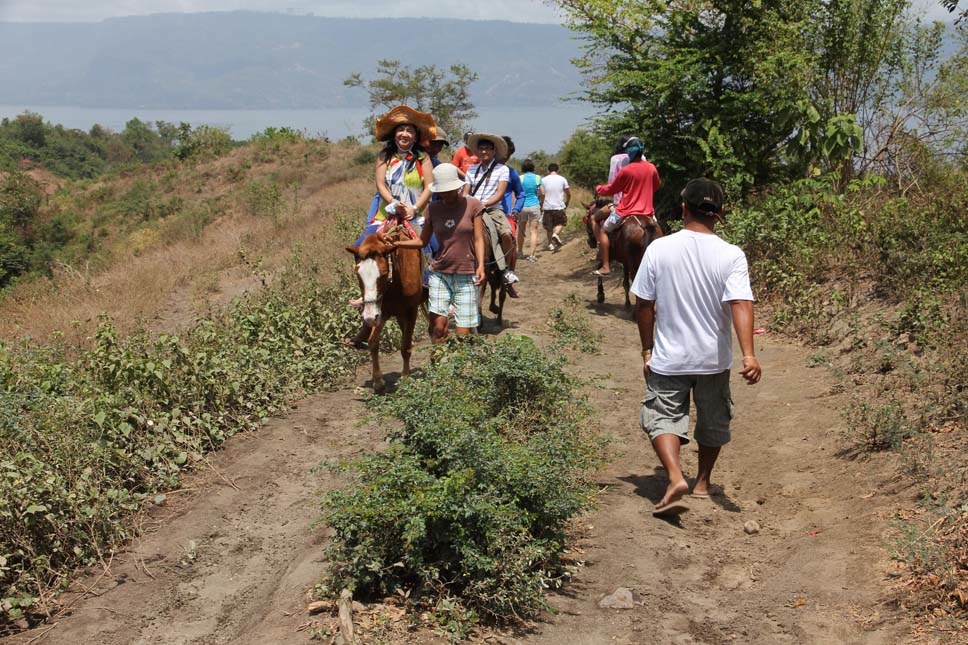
(403, 175)
(403, 168)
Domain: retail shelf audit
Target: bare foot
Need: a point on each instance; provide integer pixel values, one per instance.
(675, 492)
(705, 489)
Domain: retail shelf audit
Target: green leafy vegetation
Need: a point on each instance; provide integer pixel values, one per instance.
(758, 95)
(879, 279)
(467, 511)
(89, 435)
(444, 93)
(572, 327)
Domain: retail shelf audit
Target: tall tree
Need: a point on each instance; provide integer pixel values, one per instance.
(443, 93)
(705, 84)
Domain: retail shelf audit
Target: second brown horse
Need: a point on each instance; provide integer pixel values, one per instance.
(627, 243)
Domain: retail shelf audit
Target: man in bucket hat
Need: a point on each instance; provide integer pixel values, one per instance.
(458, 269)
(488, 181)
(701, 285)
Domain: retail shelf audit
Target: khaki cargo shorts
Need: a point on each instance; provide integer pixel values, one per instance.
(665, 408)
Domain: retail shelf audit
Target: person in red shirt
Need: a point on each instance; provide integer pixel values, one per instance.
(637, 182)
(464, 158)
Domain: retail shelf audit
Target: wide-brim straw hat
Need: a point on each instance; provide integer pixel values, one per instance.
(387, 124)
(500, 145)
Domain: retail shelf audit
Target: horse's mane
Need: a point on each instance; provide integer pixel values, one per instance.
(371, 245)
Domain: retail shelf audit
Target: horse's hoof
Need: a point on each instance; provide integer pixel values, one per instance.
(601, 298)
(379, 386)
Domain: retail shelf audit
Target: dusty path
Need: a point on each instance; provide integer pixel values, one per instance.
(231, 558)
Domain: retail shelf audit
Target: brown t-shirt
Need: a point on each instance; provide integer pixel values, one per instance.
(454, 228)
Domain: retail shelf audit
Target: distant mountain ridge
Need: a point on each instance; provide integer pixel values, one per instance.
(248, 60)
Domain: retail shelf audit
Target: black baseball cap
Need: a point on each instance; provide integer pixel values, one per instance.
(704, 194)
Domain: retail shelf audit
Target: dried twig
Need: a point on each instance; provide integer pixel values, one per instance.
(41, 635)
(220, 475)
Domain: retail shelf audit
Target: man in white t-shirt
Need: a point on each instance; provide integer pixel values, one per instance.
(700, 286)
(555, 194)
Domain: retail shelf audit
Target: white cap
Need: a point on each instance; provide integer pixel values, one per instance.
(446, 178)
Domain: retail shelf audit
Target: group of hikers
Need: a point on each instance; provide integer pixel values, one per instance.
(691, 286)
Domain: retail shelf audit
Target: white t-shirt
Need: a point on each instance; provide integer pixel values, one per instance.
(616, 163)
(692, 277)
(554, 192)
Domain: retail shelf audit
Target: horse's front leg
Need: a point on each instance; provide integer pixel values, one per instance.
(601, 290)
(374, 343)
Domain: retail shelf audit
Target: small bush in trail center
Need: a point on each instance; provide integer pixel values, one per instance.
(467, 511)
(572, 327)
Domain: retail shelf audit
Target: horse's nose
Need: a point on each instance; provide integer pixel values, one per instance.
(371, 315)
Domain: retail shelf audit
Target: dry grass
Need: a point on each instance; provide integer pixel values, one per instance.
(162, 277)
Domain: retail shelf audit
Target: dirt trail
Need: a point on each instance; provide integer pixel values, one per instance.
(231, 557)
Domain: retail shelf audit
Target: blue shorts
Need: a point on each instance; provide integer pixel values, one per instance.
(456, 289)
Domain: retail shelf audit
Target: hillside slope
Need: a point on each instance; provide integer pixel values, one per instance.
(232, 558)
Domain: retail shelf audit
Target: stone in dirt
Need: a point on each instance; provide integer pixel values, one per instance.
(751, 527)
(621, 598)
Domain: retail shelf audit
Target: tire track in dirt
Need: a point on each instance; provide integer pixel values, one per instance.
(230, 559)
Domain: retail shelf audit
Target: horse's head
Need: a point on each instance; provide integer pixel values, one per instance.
(595, 210)
(373, 272)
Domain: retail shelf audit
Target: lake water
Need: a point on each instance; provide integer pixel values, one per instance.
(531, 128)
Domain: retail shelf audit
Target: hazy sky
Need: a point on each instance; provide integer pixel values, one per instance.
(516, 10)
(94, 10)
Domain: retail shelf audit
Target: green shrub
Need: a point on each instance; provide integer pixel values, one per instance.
(263, 198)
(471, 501)
(878, 426)
(571, 326)
(20, 199)
(365, 157)
(584, 159)
(87, 436)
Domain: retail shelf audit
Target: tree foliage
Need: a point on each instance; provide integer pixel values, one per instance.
(443, 93)
(704, 84)
(753, 91)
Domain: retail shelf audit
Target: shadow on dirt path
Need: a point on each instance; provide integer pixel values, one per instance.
(231, 557)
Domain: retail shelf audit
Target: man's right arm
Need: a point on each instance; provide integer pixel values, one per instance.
(742, 311)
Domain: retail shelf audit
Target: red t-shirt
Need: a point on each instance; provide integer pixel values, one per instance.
(464, 159)
(637, 182)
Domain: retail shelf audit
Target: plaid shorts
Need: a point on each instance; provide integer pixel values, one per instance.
(456, 289)
(665, 409)
(554, 218)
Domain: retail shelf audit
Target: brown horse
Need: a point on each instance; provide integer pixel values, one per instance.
(627, 243)
(494, 280)
(392, 285)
